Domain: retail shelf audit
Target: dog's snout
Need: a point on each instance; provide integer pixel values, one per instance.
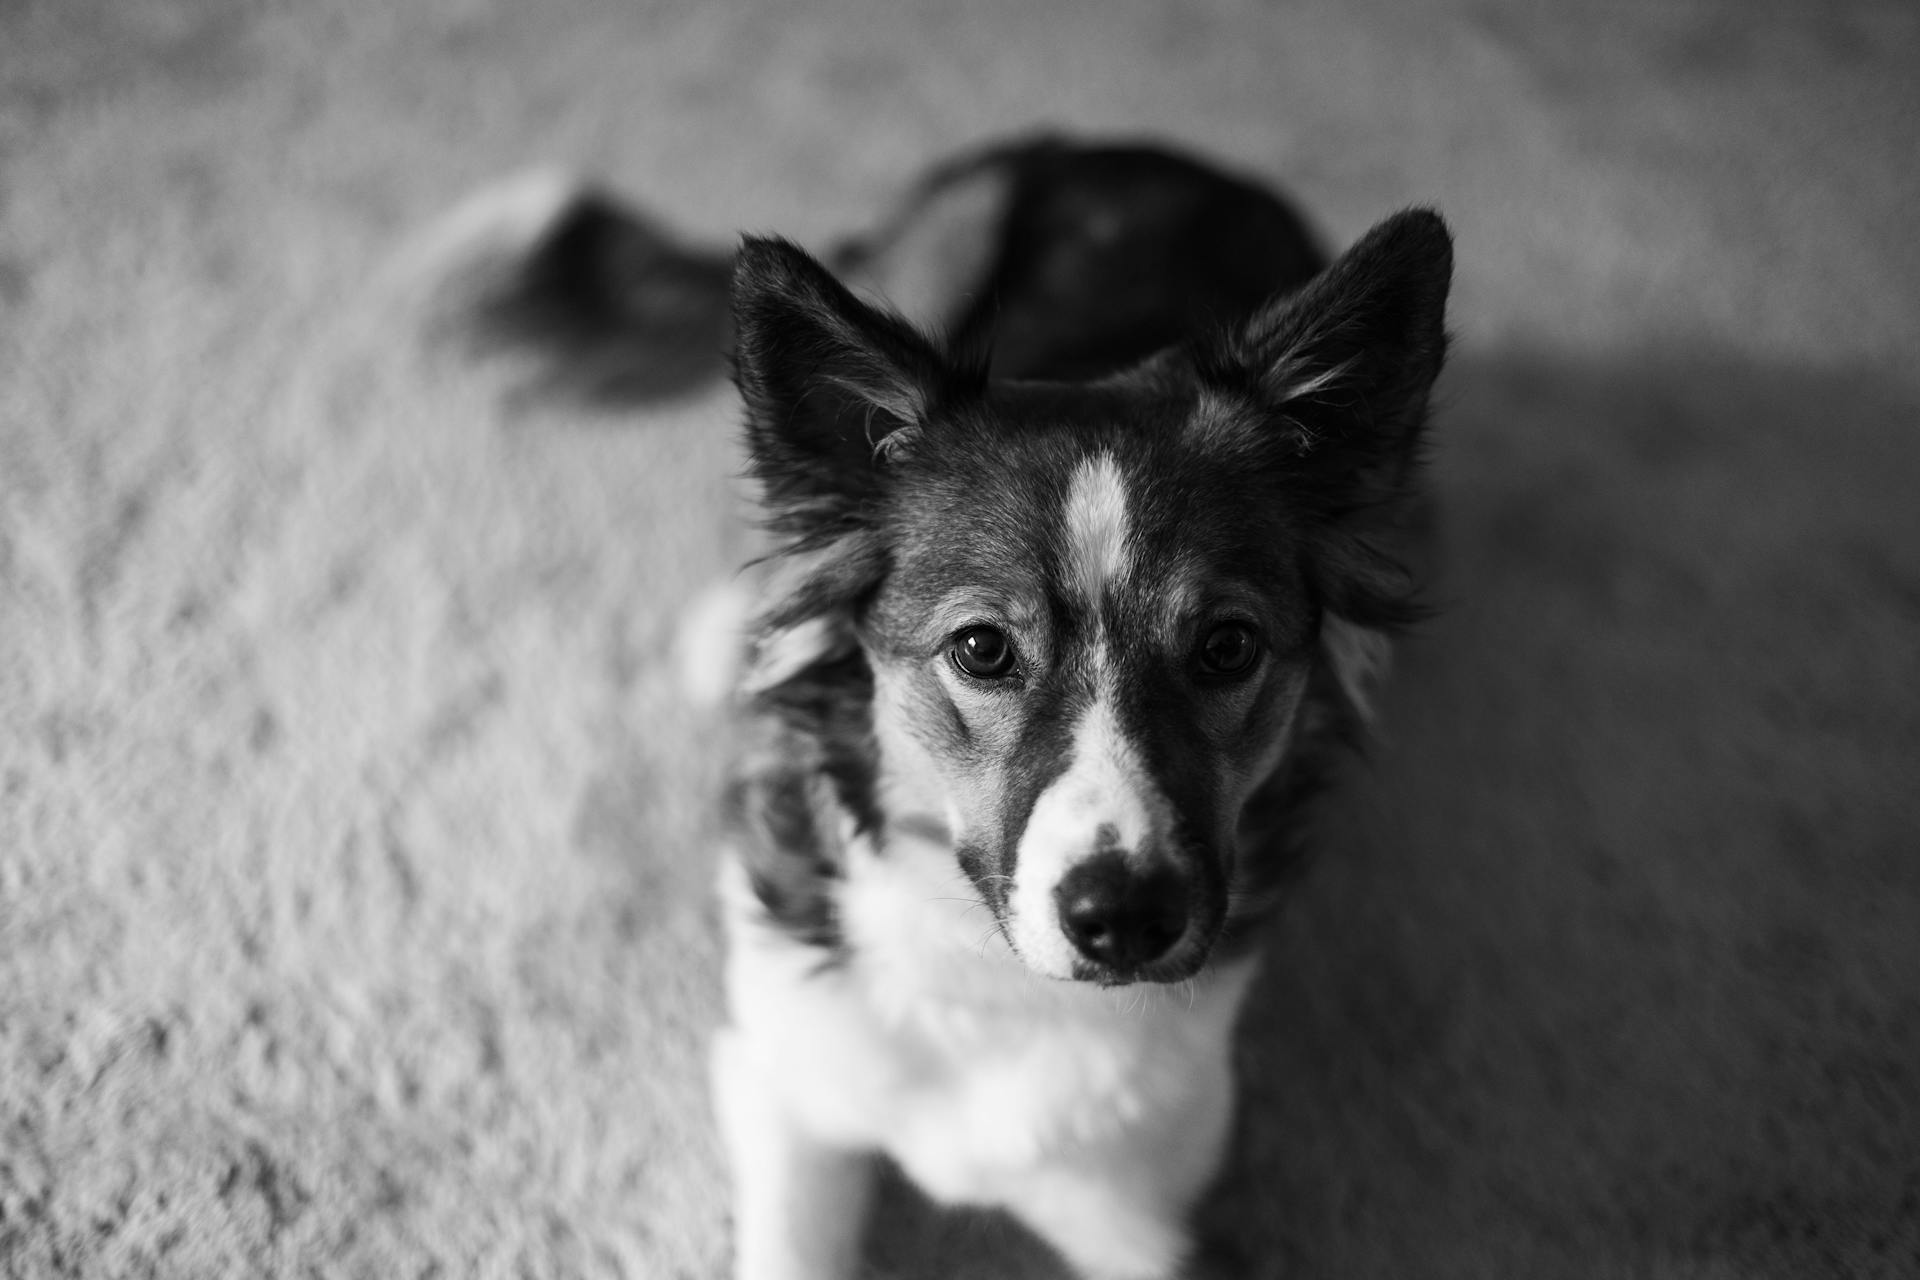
(1119, 914)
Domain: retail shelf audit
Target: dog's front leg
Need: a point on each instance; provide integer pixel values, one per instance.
(1123, 1210)
(800, 1205)
(1106, 1232)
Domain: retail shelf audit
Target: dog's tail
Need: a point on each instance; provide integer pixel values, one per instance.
(592, 300)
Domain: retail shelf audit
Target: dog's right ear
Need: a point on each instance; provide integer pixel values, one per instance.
(832, 387)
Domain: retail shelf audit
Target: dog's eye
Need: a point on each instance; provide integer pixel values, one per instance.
(1230, 649)
(983, 653)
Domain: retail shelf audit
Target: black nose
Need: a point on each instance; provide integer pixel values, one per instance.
(1119, 914)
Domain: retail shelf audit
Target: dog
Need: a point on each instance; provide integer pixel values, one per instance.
(1095, 488)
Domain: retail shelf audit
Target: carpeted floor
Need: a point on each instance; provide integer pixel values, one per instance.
(354, 841)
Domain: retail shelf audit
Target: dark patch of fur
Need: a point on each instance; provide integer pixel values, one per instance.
(1111, 253)
(809, 759)
(1276, 825)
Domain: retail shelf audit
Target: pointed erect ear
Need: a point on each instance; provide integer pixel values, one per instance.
(1350, 359)
(1338, 376)
(831, 385)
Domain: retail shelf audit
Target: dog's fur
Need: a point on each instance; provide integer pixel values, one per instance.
(1070, 609)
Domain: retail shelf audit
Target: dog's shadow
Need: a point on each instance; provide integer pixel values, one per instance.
(1610, 960)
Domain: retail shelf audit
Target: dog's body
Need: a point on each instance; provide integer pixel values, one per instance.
(1069, 613)
(1093, 1114)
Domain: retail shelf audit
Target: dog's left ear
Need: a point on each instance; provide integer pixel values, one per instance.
(1339, 375)
(831, 385)
(1350, 359)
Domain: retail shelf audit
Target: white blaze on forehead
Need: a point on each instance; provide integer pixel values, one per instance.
(1097, 528)
(1105, 799)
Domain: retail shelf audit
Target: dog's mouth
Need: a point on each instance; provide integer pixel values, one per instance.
(1184, 962)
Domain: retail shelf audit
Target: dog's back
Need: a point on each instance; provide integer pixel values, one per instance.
(1066, 262)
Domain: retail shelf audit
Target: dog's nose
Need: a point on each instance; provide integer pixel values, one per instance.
(1121, 915)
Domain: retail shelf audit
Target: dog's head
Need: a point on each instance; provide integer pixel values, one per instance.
(1092, 611)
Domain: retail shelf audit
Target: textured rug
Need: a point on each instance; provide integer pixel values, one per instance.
(355, 839)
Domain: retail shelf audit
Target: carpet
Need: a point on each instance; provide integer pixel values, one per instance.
(355, 837)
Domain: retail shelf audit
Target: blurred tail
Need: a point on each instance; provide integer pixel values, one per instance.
(592, 300)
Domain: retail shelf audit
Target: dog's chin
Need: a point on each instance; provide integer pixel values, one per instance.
(1184, 962)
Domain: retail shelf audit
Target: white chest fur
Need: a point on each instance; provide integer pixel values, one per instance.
(933, 1043)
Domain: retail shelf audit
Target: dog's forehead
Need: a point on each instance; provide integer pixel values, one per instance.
(1078, 509)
